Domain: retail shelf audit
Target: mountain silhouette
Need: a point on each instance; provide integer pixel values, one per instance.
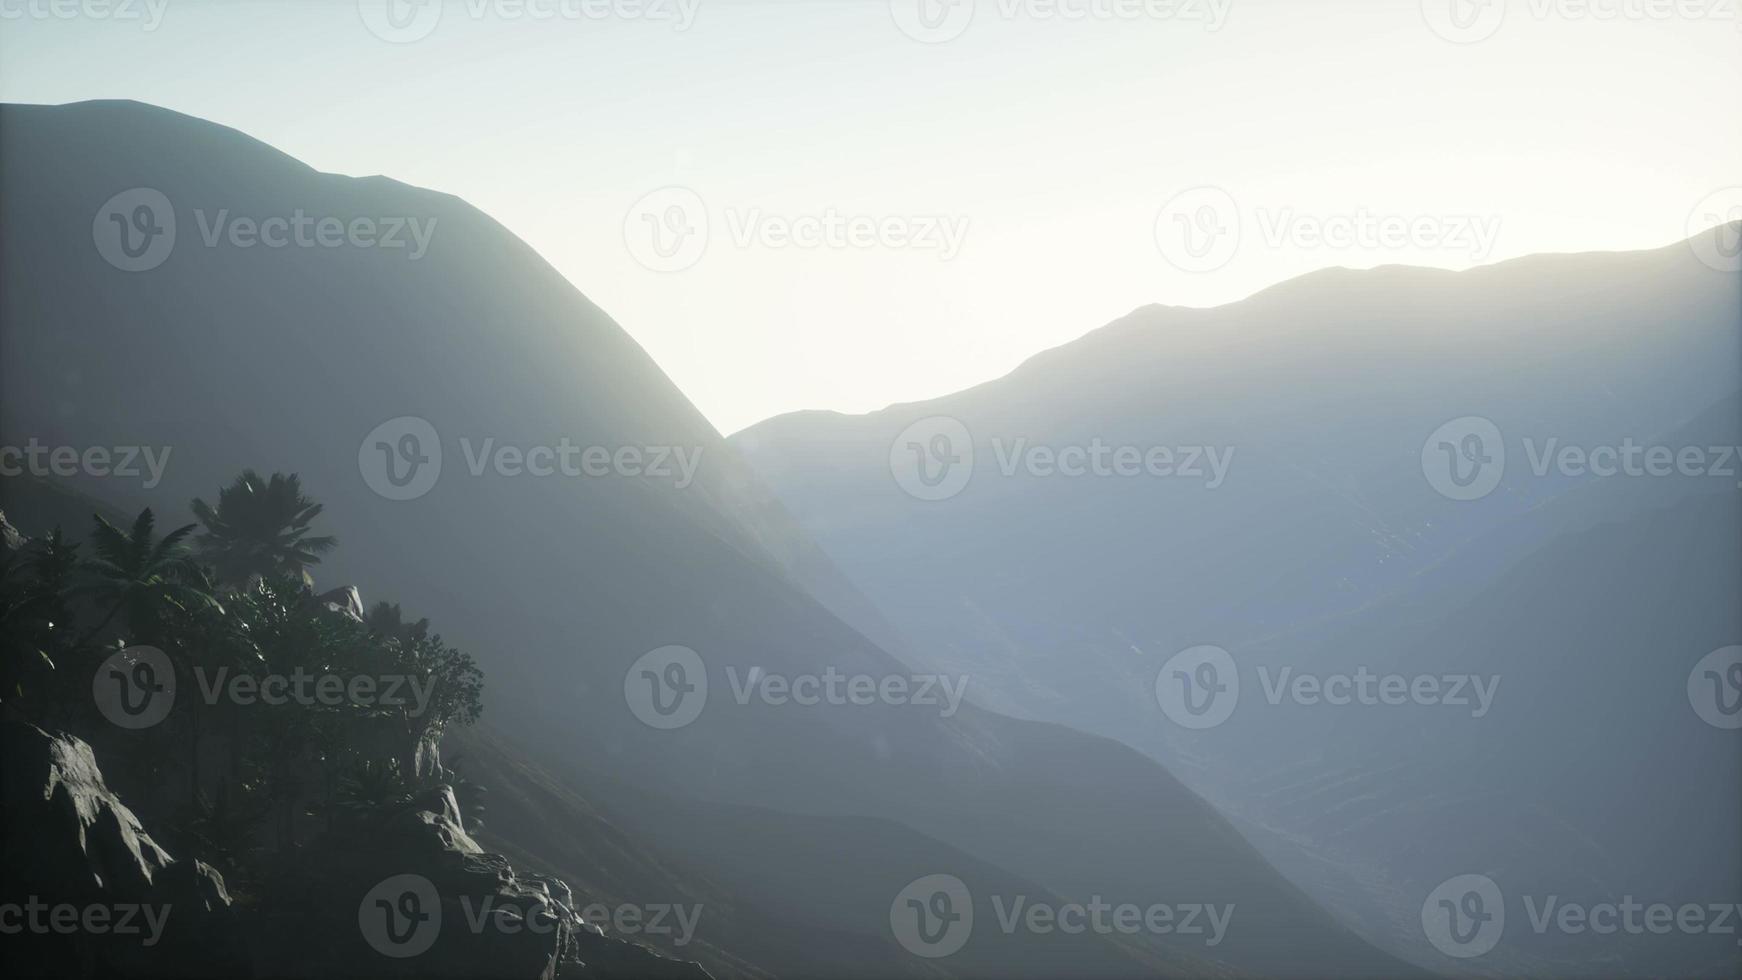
(308, 357)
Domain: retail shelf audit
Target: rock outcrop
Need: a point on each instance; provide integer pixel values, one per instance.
(86, 887)
(415, 895)
(406, 893)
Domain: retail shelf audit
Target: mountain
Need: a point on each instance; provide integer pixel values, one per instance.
(1326, 549)
(352, 363)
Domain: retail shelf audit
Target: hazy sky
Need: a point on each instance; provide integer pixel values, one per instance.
(967, 183)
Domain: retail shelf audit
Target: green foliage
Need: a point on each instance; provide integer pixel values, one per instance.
(35, 583)
(135, 573)
(225, 825)
(293, 630)
(260, 527)
(458, 692)
(385, 619)
(286, 757)
(375, 784)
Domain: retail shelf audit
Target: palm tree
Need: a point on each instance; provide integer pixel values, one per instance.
(387, 621)
(144, 577)
(260, 527)
(35, 589)
(30, 607)
(199, 635)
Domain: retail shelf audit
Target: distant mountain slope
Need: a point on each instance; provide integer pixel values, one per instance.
(1320, 393)
(1328, 550)
(288, 358)
(1323, 388)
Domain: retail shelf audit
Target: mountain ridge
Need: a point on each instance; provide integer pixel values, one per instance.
(558, 586)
